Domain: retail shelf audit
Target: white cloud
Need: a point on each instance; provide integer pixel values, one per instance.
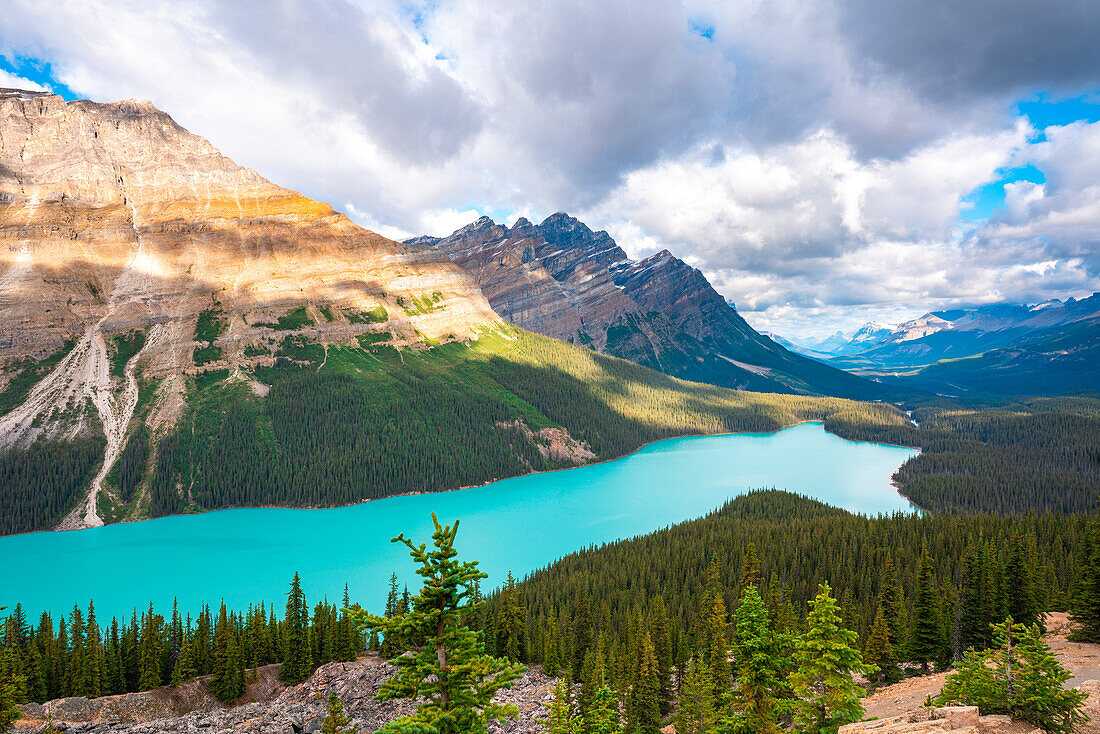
(809, 156)
(11, 81)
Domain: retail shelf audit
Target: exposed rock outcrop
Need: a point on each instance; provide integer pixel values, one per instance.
(116, 221)
(562, 279)
(294, 709)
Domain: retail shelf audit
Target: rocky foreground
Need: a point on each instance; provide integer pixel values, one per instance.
(268, 707)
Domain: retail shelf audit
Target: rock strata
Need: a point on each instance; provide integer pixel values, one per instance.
(115, 220)
(564, 280)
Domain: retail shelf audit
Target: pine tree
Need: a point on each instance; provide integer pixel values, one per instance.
(297, 658)
(760, 672)
(714, 631)
(696, 714)
(927, 643)
(511, 625)
(9, 714)
(892, 601)
(1018, 676)
(149, 651)
(228, 684)
(826, 661)
(879, 652)
(560, 718)
(750, 568)
(603, 715)
(336, 722)
(643, 708)
(1086, 600)
(452, 674)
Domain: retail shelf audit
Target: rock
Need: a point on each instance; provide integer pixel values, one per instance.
(957, 716)
(297, 709)
(561, 279)
(114, 218)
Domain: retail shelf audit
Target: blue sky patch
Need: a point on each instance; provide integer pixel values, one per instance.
(984, 201)
(37, 71)
(1044, 111)
(702, 28)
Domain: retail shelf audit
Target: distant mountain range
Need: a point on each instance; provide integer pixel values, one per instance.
(564, 280)
(1046, 348)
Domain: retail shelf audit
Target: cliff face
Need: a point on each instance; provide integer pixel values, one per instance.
(120, 230)
(114, 214)
(562, 279)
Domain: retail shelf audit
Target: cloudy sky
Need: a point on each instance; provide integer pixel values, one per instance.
(824, 163)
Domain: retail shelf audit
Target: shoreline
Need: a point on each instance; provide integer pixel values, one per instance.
(497, 479)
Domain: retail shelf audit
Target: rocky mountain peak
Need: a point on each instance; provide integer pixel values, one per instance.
(117, 220)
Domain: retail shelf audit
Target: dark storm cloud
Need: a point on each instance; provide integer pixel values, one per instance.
(951, 49)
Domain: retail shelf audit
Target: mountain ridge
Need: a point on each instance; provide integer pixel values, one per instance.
(565, 280)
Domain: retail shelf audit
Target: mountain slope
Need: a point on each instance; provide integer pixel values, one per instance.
(564, 280)
(1051, 361)
(962, 333)
(179, 334)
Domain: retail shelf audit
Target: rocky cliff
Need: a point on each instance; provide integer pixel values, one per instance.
(127, 240)
(562, 279)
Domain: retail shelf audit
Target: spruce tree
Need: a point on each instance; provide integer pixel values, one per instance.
(336, 721)
(9, 714)
(227, 684)
(1022, 594)
(603, 715)
(297, 658)
(713, 633)
(927, 643)
(879, 652)
(696, 714)
(643, 709)
(149, 674)
(662, 648)
(973, 627)
(560, 718)
(750, 568)
(511, 625)
(826, 661)
(761, 668)
(1086, 600)
(451, 673)
(892, 601)
(1017, 676)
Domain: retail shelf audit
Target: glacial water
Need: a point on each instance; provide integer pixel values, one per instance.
(518, 525)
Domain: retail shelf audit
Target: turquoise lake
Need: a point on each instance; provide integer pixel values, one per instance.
(517, 525)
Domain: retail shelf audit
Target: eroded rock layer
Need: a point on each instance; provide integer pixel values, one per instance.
(125, 239)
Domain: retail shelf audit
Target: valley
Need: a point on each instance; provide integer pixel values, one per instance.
(219, 384)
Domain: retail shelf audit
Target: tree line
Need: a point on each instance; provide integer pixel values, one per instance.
(75, 655)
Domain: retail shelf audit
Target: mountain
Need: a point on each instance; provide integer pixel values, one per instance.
(959, 333)
(178, 334)
(564, 280)
(1051, 361)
